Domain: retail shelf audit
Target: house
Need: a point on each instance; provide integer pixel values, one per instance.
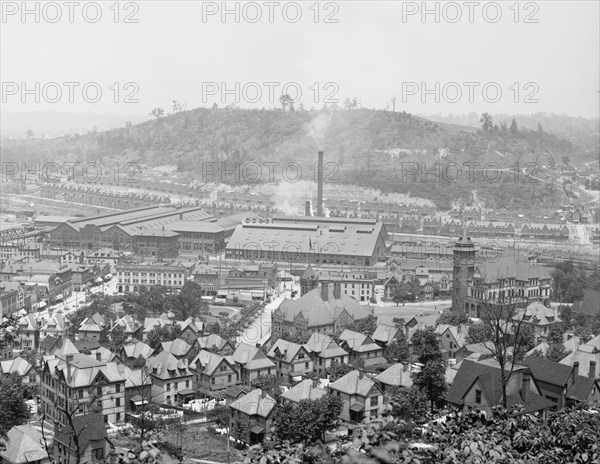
(138, 387)
(255, 408)
(390, 286)
(542, 319)
(252, 362)
(478, 385)
(291, 359)
(571, 344)
(133, 350)
(215, 343)
(234, 393)
(324, 350)
(54, 325)
(77, 382)
(420, 323)
(397, 375)
(93, 441)
(29, 333)
(48, 345)
(325, 310)
(178, 348)
(306, 390)
(91, 327)
(102, 354)
(213, 372)
(131, 327)
(172, 380)
(362, 397)
(24, 445)
(482, 350)
(588, 357)
(191, 329)
(386, 333)
(451, 338)
(361, 346)
(561, 383)
(24, 369)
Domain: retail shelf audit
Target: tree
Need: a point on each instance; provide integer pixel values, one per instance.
(157, 113)
(486, 120)
(455, 318)
(479, 333)
(503, 315)
(557, 352)
(527, 342)
(337, 370)
(188, 302)
(271, 384)
(162, 333)
(219, 415)
(117, 338)
(426, 346)
(9, 331)
(364, 326)
(431, 379)
(409, 404)
(514, 129)
(29, 134)
(286, 102)
(397, 350)
(296, 337)
(13, 409)
(308, 420)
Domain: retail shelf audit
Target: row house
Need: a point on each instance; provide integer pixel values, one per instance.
(362, 397)
(291, 359)
(361, 347)
(213, 372)
(82, 384)
(172, 380)
(324, 350)
(136, 277)
(545, 232)
(252, 362)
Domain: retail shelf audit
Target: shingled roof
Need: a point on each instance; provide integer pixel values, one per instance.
(24, 445)
(89, 427)
(304, 390)
(353, 384)
(319, 312)
(255, 404)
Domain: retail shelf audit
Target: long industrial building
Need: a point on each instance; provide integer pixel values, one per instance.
(308, 239)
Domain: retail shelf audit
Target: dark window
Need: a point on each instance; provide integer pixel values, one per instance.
(118, 390)
(99, 453)
(478, 396)
(373, 400)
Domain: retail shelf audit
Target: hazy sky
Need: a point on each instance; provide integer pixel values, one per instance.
(375, 50)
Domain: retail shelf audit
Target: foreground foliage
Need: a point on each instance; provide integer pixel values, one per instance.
(567, 436)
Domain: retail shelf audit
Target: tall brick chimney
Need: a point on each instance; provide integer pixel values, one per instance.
(337, 290)
(320, 185)
(308, 208)
(324, 291)
(592, 373)
(575, 370)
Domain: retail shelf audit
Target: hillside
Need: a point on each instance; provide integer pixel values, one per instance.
(371, 148)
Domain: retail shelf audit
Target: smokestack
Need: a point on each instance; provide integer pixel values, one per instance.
(592, 372)
(308, 208)
(337, 290)
(320, 185)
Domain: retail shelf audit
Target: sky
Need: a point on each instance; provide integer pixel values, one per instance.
(505, 57)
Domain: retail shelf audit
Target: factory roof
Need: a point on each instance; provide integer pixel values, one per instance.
(324, 239)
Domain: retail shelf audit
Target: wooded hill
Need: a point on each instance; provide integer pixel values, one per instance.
(370, 147)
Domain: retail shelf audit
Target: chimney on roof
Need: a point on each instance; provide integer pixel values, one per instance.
(324, 291)
(592, 373)
(98, 356)
(526, 384)
(263, 393)
(575, 370)
(405, 367)
(337, 290)
(361, 373)
(307, 208)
